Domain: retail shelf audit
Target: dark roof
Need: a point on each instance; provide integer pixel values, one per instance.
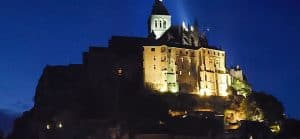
(125, 42)
(159, 8)
(173, 38)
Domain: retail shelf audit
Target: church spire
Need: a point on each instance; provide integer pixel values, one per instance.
(159, 21)
(159, 8)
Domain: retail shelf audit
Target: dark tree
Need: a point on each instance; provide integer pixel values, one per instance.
(272, 109)
(255, 130)
(290, 128)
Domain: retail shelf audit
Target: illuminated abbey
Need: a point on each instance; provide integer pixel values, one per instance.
(184, 62)
(171, 83)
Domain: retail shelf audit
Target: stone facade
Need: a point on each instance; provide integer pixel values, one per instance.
(198, 71)
(237, 73)
(182, 61)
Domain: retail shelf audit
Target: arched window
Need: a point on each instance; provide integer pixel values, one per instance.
(155, 22)
(160, 24)
(165, 24)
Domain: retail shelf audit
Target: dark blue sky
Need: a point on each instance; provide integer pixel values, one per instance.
(260, 35)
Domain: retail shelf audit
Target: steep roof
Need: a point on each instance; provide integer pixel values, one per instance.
(159, 8)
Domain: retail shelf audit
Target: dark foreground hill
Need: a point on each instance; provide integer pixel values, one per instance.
(6, 121)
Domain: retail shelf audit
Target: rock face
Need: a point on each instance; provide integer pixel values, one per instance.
(75, 94)
(88, 99)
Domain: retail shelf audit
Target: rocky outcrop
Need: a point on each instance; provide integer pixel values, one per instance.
(73, 95)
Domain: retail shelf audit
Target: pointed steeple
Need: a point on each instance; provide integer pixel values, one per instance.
(159, 8)
(160, 19)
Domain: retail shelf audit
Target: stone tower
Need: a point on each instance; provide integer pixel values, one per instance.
(159, 21)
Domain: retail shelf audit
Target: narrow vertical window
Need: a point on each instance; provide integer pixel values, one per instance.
(165, 24)
(160, 24)
(155, 22)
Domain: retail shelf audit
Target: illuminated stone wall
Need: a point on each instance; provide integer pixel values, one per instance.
(159, 24)
(237, 73)
(198, 71)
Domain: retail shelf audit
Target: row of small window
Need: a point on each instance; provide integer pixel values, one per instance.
(214, 53)
(163, 59)
(189, 73)
(160, 24)
(163, 49)
(186, 53)
(180, 73)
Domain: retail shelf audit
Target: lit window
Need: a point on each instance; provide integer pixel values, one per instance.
(152, 49)
(189, 73)
(60, 125)
(182, 59)
(180, 72)
(161, 123)
(48, 127)
(119, 71)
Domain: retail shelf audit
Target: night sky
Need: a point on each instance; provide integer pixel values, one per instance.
(262, 36)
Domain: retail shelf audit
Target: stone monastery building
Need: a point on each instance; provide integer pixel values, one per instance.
(184, 62)
(174, 59)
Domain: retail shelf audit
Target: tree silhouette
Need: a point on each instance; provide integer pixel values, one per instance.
(271, 108)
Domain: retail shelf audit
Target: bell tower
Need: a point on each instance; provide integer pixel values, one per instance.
(160, 20)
